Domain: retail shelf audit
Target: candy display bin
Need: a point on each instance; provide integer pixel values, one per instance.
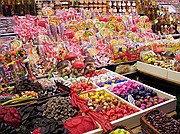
(167, 106)
(133, 120)
(116, 74)
(125, 121)
(174, 76)
(148, 127)
(152, 70)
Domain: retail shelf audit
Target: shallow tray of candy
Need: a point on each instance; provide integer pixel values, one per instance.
(107, 79)
(78, 83)
(142, 96)
(83, 85)
(167, 105)
(45, 117)
(112, 107)
(137, 94)
(27, 92)
(157, 122)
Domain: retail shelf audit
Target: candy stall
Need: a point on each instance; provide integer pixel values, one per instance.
(54, 76)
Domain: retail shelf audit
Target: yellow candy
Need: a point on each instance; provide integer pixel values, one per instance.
(101, 97)
(91, 94)
(105, 85)
(101, 92)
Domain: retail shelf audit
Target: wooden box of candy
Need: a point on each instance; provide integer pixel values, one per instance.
(153, 70)
(143, 96)
(107, 78)
(113, 108)
(157, 122)
(174, 76)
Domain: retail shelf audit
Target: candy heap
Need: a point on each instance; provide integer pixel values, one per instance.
(108, 105)
(162, 123)
(107, 79)
(137, 94)
(10, 116)
(59, 108)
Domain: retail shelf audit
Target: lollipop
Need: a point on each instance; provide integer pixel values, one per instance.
(81, 25)
(69, 34)
(47, 11)
(89, 24)
(54, 20)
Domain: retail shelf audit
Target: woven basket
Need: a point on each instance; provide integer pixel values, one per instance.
(146, 126)
(121, 127)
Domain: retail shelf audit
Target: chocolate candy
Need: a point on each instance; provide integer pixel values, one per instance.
(27, 85)
(32, 119)
(163, 123)
(59, 108)
(6, 129)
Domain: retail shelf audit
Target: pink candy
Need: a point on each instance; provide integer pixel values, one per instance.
(124, 88)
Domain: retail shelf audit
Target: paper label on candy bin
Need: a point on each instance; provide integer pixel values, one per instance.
(131, 99)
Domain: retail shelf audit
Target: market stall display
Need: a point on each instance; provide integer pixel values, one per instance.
(49, 77)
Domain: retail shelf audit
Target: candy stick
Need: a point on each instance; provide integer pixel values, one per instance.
(11, 67)
(3, 74)
(27, 65)
(50, 74)
(19, 66)
(49, 32)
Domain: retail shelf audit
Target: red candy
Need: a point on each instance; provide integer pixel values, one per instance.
(10, 116)
(118, 112)
(96, 73)
(82, 86)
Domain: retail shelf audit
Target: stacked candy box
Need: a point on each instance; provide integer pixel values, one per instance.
(107, 79)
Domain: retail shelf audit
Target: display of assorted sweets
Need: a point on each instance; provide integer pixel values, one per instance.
(160, 122)
(82, 85)
(109, 106)
(169, 60)
(108, 78)
(137, 94)
(160, 57)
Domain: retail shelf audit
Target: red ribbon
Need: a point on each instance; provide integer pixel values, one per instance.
(81, 103)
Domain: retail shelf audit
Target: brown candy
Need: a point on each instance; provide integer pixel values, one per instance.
(59, 108)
